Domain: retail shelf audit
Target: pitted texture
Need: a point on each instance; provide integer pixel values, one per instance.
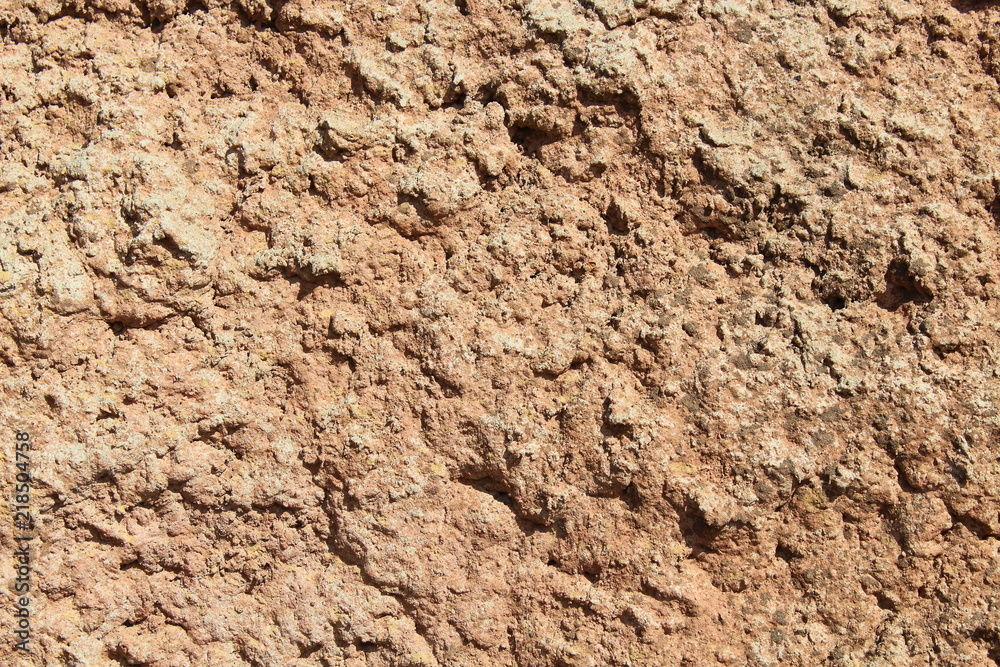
(548, 333)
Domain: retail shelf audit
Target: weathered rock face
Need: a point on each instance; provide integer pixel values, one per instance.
(597, 332)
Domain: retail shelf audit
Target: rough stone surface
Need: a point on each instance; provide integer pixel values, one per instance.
(489, 332)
